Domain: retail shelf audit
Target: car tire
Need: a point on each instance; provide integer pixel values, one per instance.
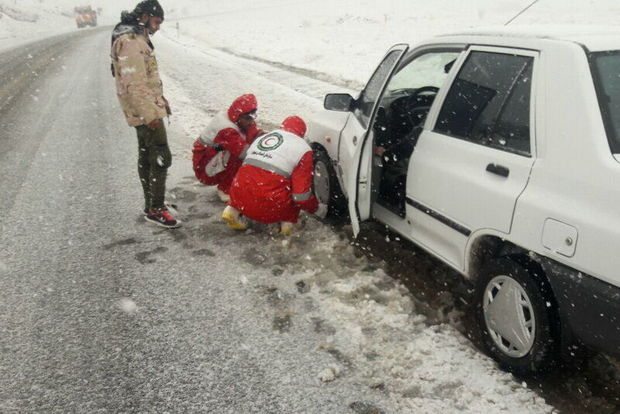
(517, 316)
(326, 187)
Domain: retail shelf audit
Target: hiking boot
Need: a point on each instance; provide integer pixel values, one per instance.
(223, 196)
(235, 221)
(287, 228)
(162, 218)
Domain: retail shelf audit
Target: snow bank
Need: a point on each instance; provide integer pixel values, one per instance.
(347, 38)
(372, 329)
(22, 21)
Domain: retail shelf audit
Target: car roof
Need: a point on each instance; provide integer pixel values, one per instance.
(595, 38)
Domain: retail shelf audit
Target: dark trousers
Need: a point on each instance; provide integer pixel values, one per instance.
(154, 158)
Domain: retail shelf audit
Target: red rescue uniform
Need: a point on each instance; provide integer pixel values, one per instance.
(275, 181)
(218, 153)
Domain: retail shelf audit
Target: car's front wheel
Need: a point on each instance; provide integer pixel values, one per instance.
(326, 187)
(517, 316)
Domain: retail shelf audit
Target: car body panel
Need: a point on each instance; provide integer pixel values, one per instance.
(559, 205)
(355, 151)
(325, 128)
(450, 177)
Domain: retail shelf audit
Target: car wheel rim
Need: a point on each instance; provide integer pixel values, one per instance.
(509, 316)
(321, 182)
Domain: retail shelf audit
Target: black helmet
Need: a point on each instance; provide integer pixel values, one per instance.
(150, 7)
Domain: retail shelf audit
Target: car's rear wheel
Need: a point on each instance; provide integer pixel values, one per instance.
(326, 187)
(517, 316)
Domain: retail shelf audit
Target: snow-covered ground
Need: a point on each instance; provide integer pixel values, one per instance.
(22, 21)
(369, 322)
(346, 38)
(343, 38)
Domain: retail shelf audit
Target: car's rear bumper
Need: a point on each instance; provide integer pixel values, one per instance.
(589, 307)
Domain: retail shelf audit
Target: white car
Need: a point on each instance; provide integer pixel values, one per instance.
(498, 152)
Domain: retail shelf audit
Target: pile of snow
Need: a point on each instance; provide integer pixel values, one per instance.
(371, 327)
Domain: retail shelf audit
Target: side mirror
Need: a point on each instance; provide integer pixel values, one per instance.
(342, 102)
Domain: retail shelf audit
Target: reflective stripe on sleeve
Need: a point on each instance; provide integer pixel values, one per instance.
(302, 197)
(265, 166)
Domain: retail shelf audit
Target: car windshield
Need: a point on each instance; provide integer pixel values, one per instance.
(606, 73)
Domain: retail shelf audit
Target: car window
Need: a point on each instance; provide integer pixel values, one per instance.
(489, 102)
(606, 70)
(408, 97)
(429, 69)
(369, 95)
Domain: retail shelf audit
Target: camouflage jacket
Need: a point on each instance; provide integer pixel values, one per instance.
(138, 85)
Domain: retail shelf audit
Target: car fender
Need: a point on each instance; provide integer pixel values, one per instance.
(325, 128)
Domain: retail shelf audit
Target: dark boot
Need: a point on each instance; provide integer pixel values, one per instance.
(162, 218)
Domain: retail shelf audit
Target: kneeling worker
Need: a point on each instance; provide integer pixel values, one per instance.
(219, 151)
(275, 181)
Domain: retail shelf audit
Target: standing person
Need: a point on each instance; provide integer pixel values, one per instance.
(275, 181)
(140, 93)
(219, 151)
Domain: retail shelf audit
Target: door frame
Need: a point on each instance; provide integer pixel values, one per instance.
(360, 179)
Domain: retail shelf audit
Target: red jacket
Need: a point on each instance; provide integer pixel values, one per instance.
(223, 132)
(275, 181)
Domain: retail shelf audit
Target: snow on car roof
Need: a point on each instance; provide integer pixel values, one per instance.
(595, 38)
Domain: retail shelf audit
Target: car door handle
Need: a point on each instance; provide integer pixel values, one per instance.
(354, 140)
(498, 170)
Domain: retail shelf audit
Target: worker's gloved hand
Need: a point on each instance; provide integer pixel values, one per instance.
(321, 211)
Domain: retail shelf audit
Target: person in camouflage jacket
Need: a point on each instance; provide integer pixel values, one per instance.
(140, 93)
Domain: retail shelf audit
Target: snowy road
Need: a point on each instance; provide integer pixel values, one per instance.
(102, 312)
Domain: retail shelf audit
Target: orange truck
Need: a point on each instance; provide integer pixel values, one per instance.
(85, 16)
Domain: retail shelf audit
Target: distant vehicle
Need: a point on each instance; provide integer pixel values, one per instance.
(85, 16)
(497, 151)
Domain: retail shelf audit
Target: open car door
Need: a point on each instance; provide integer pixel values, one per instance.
(357, 137)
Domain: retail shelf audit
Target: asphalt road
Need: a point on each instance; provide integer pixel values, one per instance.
(101, 312)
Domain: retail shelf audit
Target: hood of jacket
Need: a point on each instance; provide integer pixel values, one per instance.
(295, 125)
(128, 24)
(242, 105)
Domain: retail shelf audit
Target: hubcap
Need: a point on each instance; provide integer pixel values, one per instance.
(321, 182)
(509, 316)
